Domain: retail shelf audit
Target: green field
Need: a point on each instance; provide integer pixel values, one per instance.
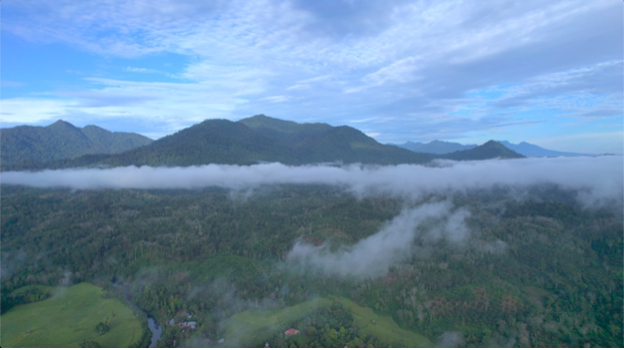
(246, 327)
(383, 327)
(69, 317)
(243, 327)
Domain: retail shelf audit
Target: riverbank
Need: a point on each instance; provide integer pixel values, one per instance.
(153, 325)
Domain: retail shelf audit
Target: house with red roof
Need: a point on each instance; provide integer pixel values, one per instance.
(291, 331)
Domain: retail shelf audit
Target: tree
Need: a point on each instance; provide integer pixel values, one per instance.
(102, 327)
(90, 344)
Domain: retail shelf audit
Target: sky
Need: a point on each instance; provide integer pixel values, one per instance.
(548, 73)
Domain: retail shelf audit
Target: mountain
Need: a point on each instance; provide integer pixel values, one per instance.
(250, 141)
(315, 143)
(62, 140)
(286, 132)
(523, 148)
(529, 150)
(212, 141)
(435, 147)
(488, 150)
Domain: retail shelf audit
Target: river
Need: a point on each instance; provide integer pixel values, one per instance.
(156, 330)
(153, 326)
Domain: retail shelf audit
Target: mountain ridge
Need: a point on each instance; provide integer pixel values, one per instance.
(489, 150)
(524, 148)
(62, 140)
(255, 140)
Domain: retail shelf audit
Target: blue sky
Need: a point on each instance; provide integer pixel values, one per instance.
(549, 73)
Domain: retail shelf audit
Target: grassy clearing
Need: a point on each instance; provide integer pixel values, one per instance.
(69, 317)
(243, 327)
(383, 327)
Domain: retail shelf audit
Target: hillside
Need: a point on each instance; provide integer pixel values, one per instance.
(249, 141)
(62, 140)
(488, 150)
(284, 131)
(314, 143)
(212, 141)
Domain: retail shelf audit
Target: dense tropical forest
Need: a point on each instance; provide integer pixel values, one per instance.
(533, 270)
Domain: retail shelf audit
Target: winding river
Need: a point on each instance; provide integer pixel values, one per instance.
(153, 326)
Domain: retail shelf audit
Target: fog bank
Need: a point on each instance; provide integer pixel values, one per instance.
(598, 178)
(372, 256)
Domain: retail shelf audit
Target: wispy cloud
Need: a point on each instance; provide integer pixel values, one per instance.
(417, 62)
(373, 255)
(280, 98)
(34, 110)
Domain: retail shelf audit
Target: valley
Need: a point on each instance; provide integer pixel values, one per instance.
(225, 259)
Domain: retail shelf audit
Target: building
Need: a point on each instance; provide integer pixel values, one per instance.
(291, 331)
(188, 325)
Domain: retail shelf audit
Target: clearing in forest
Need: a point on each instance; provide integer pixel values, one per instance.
(383, 327)
(247, 327)
(69, 317)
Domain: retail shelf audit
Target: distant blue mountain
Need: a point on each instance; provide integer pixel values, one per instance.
(529, 150)
(523, 148)
(436, 147)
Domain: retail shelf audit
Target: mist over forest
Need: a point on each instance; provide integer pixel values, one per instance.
(296, 173)
(517, 252)
(597, 177)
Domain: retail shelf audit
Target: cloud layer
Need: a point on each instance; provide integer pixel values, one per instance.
(444, 69)
(597, 178)
(597, 181)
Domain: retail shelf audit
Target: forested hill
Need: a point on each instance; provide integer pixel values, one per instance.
(313, 143)
(212, 141)
(62, 140)
(249, 141)
(489, 150)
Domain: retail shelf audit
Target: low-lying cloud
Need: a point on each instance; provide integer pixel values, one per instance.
(372, 256)
(597, 181)
(597, 178)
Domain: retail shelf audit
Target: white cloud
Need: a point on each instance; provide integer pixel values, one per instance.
(601, 177)
(423, 57)
(33, 110)
(400, 71)
(298, 87)
(280, 98)
(373, 255)
(178, 105)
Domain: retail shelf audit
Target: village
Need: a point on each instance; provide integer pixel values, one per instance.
(188, 324)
